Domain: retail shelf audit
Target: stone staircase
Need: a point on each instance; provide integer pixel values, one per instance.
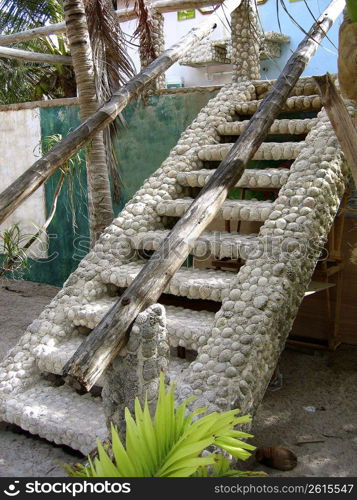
(236, 324)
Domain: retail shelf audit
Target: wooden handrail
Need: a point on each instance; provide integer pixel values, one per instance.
(122, 15)
(38, 57)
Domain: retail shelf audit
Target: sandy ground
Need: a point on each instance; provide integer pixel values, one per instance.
(327, 382)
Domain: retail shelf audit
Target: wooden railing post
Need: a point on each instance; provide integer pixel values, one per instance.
(341, 121)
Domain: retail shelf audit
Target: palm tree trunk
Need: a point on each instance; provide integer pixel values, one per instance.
(100, 207)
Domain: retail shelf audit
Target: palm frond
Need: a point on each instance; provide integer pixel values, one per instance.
(352, 9)
(113, 65)
(24, 81)
(294, 20)
(23, 14)
(18, 81)
(144, 30)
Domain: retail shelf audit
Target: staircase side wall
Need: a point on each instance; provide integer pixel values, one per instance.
(137, 373)
(233, 369)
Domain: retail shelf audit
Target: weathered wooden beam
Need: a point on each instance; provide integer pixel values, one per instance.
(37, 57)
(108, 338)
(163, 6)
(23, 36)
(174, 5)
(340, 119)
(43, 168)
(122, 15)
(49, 103)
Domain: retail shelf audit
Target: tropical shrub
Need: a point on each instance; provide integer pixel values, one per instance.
(14, 259)
(171, 443)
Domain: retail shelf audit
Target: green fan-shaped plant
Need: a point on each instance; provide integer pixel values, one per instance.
(171, 443)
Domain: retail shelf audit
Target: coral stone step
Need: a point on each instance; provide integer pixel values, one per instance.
(304, 86)
(293, 104)
(61, 415)
(186, 327)
(283, 126)
(187, 282)
(58, 414)
(251, 178)
(247, 210)
(219, 244)
(267, 151)
(52, 358)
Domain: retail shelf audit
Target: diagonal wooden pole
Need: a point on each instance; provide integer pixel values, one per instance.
(340, 119)
(37, 57)
(107, 339)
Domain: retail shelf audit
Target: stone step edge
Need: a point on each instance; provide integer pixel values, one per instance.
(245, 210)
(57, 414)
(186, 328)
(267, 151)
(193, 283)
(251, 178)
(283, 126)
(219, 244)
(296, 103)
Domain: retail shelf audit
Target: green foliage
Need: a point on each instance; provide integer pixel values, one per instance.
(352, 9)
(52, 140)
(70, 170)
(23, 14)
(14, 258)
(171, 443)
(24, 81)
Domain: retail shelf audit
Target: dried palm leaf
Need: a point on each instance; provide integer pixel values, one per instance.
(144, 31)
(113, 65)
(113, 68)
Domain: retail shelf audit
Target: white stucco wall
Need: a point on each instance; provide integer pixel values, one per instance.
(324, 60)
(20, 135)
(174, 30)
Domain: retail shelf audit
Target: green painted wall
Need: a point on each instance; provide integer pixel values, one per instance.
(69, 227)
(152, 129)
